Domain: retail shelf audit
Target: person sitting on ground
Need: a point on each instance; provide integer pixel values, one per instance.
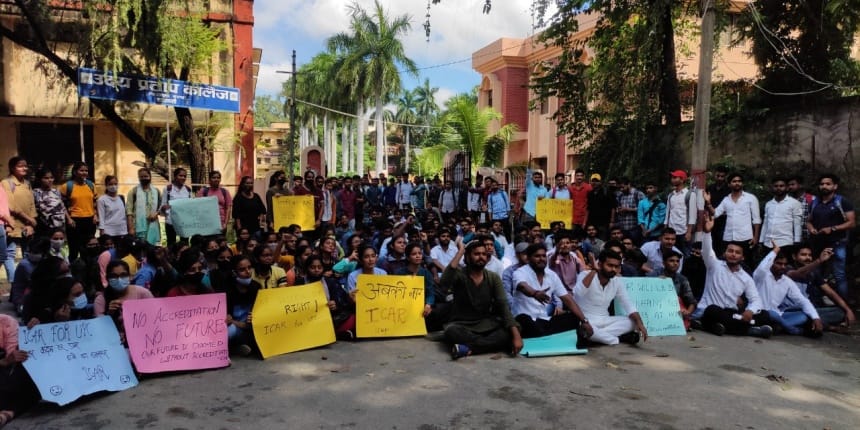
(65, 300)
(340, 303)
(480, 319)
(395, 258)
(241, 295)
(634, 263)
(17, 390)
(725, 283)
(812, 285)
(594, 291)
(508, 274)
(774, 288)
(222, 276)
(415, 267)
(535, 289)
(190, 281)
(671, 264)
(38, 249)
(119, 289)
(367, 266)
(563, 261)
(656, 249)
(265, 272)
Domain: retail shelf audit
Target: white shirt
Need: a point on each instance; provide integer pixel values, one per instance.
(774, 291)
(594, 300)
(112, 217)
(562, 193)
(174, 193)
(740, 216)
(326, 213)
(474, 202)
(529, 305)
(654, 253)
(782, 222)
(722, 286)
(443, 256)
(680, 214)
(404, 194)
(447, 201)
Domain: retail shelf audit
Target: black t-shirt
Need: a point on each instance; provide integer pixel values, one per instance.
(247, 210)
(829, 214)
(600, 205)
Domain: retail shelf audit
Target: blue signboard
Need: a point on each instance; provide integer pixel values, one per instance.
(98, 84)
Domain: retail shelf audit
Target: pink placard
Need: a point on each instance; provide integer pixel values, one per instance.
(177, 333)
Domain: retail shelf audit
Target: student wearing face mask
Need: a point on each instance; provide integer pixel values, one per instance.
(190, 282)
(241, 295)
(249, 212)
(64, 301)
(144, 203)
(339, 302)
(47, 272)
(156, 273)
(221, 277)
(59, 248)
(119, 289)
(111, 210)
(265, 272)
(21, 283)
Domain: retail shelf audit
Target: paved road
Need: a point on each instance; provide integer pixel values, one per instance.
(696, 382)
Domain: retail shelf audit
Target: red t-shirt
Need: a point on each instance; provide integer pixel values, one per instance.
(580, 201)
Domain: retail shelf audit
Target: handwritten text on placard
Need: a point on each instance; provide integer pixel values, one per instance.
(389, 306)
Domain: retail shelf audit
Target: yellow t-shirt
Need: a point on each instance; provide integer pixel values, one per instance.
(133, 264)
(82, 200)
(277, 278)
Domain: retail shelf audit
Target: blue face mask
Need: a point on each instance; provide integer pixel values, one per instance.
(243, 281)
(119, 284)
(80, 302)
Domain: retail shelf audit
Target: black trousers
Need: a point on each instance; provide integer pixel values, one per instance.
(539, 328)
(171, 235)
(725, 316)
(17, 391)
(83, 231)
(494, 340)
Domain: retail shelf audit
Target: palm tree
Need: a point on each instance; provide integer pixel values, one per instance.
(406, 106)
(372, 54)
(425, 99)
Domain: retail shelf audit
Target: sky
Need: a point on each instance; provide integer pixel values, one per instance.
(458, 28)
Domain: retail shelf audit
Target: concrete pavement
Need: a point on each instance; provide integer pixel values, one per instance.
(694, 382)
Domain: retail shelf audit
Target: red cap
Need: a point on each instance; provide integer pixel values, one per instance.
(680, 174)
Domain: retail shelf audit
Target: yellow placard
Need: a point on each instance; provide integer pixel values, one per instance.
(288, 210)
(291, 319)
(551, 210)
(389, 306)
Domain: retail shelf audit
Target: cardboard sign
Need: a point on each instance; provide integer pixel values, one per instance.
(563, 343)
(288, 210)
(389, 306)
(657, 303)
(177, 333)
(72, 359)
(196, 216)
(292, 319)
(552, 210)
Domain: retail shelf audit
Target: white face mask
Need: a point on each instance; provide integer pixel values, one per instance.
(56, 244)
(112, 188)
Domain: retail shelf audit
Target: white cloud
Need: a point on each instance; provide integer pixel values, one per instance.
(458, 28)
(444, 95)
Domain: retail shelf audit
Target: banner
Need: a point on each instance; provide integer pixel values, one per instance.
(389, 306)
(657, 303)
(563, 343)
(288, 210)
(552, 210)
(98, 84)
(72, 359)
(177, 333)
(292, 319)
(196, 216)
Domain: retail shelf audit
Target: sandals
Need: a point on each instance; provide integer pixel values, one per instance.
(5, 417)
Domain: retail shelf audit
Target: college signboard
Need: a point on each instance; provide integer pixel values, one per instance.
(98, 84)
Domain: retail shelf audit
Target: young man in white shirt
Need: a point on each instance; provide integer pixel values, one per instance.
(681, 212)
(743, 215)
(725, 283)
(774, 288)
(654, 250)
(444, 252)
(594, 291)
(176, 190)
(535, 288)
(783, 218)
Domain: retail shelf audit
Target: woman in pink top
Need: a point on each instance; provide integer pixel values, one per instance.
(17, 390)
(109, 302)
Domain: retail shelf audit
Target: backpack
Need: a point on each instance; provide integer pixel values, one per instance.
(170, 189)
(132, 196)
(70, 185)
(836, 199)
(223, 192)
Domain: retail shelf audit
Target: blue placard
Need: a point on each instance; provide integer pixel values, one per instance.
(195, 216)
(563, 343)
(72, 359)
(98, 84)
(657, 303)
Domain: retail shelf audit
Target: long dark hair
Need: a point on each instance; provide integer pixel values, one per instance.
(75, 167)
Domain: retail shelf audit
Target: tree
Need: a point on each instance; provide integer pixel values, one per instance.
(425, 99)
(162, 38)
(406, 114)
(372, 55)
(268, 109)
(803, 49)
(616, 100)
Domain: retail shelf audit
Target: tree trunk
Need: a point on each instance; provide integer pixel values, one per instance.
(380, 137)
(344, 146)
(407, 150)
(359, 136)
(670, 98)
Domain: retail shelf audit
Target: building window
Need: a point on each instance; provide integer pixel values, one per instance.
(544, 106)
(259, 160)
(489, 98)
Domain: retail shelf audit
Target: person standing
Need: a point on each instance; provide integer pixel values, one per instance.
(627, 211)
(447, 202)
(719, 190)
(601, 206)
(249, 212)
(579, 190)
(831, 218)
(651, 213)
(276, 189)
(783, 217)
(681, 213)
(535, 190)
(404, 192)
(797, 190)
(175, 190)
(51, 210)
(225, 200)
(111, 210)
(499, 206)
(22, 209)
(743, 219)
(143, 203)
(80, 195)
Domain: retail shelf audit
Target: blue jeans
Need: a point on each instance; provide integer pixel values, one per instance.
(10, 249)
(837, 265)
(831, 315)
(3, 245)
(792, 321)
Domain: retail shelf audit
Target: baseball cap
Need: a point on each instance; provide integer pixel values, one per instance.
(680, 174)
(596, 176)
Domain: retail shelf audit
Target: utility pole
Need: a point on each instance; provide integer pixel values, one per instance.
(703, 97)
(291, 159)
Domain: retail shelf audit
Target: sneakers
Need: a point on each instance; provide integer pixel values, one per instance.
(696, 325)
(632, 338)
(243, 350)
(764, 331)
(718, 329)
(460, 351)
(345, 335)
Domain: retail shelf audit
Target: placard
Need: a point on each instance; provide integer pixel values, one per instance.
(177, 333)
(389, 306)
(72, 359)
(288, 210)
(552, 210)
(563, 343)
(657, 303)
(199, 215)
(292, 319)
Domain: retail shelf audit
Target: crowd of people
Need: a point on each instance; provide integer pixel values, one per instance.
(492, 274)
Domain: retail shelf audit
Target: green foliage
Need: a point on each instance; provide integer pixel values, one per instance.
(268, 109)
